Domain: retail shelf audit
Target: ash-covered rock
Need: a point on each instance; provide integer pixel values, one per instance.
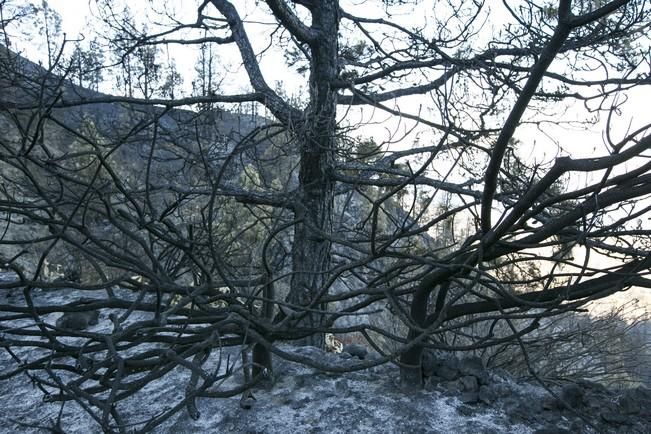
(577, 407)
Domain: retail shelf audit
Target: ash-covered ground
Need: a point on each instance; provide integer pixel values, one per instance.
(460, 396)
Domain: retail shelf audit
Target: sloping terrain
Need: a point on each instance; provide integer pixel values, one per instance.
(460, 396)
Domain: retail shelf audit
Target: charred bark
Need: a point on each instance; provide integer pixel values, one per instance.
(314, 202)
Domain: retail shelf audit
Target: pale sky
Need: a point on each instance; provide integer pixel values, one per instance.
(540, 144)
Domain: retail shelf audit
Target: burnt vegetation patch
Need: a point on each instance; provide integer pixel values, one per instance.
(433, 196)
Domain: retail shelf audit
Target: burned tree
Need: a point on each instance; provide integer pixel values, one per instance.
(244, 216)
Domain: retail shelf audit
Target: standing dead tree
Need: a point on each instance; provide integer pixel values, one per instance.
(196, 230)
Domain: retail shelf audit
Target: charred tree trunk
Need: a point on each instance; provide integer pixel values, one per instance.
(314, 202)
(411, 372)
(262, 362)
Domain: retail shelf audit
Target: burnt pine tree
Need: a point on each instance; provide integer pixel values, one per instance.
(206, 227)
(348, 63)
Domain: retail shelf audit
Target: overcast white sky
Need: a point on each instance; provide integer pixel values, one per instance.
(75, 17)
